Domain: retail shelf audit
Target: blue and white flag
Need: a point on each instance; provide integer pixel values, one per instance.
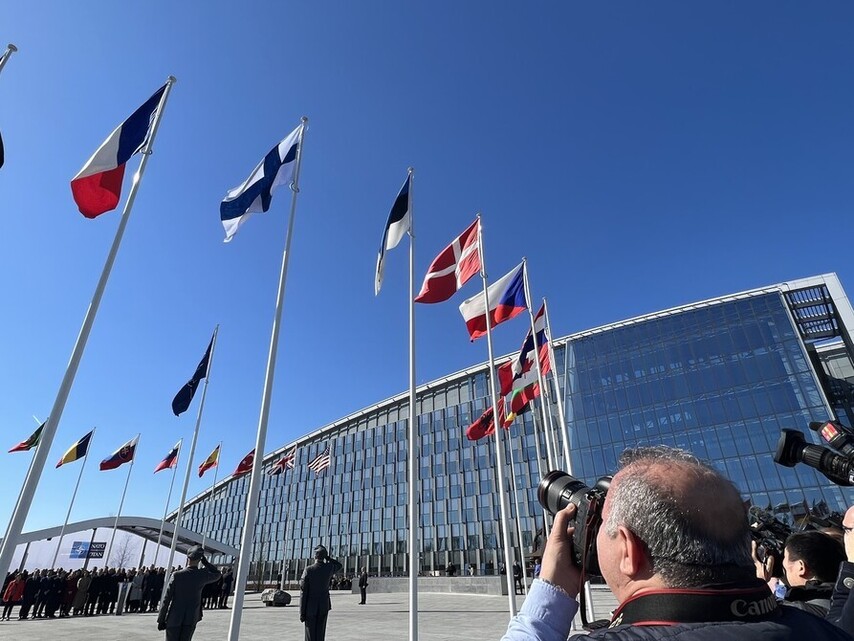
(254, 195)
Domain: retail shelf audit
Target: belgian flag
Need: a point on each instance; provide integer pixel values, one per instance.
(76, 451)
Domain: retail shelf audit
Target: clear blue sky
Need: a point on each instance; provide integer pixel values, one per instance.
(641, 155)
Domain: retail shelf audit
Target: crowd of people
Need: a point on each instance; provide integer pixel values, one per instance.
(59, 593)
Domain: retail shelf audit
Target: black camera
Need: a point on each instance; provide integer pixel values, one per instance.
(556, 491)
(792, 449)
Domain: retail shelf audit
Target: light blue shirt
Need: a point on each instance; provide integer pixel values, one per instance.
(546, 615)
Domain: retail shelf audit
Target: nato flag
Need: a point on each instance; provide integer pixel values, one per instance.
(185, 395)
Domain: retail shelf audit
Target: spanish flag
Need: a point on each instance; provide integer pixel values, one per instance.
(210, 461)
(76, 451)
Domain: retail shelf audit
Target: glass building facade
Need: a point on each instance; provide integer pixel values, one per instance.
(720, 378)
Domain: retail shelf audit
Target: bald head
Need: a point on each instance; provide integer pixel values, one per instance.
(691, 519)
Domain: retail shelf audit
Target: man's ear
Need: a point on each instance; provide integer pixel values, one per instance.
(634, 557)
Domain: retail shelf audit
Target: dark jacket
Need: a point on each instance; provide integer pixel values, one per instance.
(182, 604)
(813, 597)
(363, 580)
(314, 587)
(841, 611)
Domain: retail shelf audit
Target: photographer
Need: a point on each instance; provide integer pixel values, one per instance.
(181, 609)
(841, 604)
(810, 562)
(674, 548)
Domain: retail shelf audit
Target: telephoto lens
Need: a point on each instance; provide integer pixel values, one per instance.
(556, 491)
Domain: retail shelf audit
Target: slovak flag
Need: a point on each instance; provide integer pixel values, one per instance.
(507, 299)
(121, 456)
(97, 187)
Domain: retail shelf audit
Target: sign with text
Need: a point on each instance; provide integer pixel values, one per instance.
(83, 550)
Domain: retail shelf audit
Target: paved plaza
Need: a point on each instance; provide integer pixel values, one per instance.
(441, 617)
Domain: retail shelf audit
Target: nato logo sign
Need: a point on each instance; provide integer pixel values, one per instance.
(83, 550)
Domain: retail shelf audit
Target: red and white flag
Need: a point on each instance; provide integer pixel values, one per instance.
(453, 267)
(287, 462)
(245, 465)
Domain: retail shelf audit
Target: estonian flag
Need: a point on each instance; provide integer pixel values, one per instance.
(76, 451)
(254, 195)
(399, 222)
(507, 299)
(185, 395)
(97, 187)
(121, 456)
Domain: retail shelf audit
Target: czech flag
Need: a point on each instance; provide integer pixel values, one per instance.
(97, 188)
(121, 456)
(210, 461)
(507, 299)
(76, 451)
(171, 459)
(245, 466)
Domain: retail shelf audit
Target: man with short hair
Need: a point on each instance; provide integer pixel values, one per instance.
(674, 548)
(363, 586)
(181, 609)
(810, 562)
(314, 603)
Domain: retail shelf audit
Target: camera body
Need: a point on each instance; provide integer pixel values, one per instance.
(792, 449)
(556, 491)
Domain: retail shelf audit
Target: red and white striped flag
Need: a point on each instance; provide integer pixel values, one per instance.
(323, 461)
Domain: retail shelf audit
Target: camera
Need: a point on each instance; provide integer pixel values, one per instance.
(792, 449)
(556, 491)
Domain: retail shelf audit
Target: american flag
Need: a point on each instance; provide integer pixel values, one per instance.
(321, 462)
(287, 462)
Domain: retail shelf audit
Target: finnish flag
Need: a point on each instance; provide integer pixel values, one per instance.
(256, 192)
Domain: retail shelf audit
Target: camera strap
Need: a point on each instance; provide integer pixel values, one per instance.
(704, 605)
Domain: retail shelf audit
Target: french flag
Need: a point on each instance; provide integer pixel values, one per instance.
(97, 187)
(507, 299)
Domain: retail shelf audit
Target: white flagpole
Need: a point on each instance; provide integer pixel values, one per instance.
(209, 506)
(121, 504)
(10, 49)
(190, 457)
(546, 528)
(564, 431)
(287, 521)
(550, 446)
(16, 524)
(260, 441)
(508, 569)
(414, 563)
(73, 496)
(166, 507)
(499, 448)
(522, 458)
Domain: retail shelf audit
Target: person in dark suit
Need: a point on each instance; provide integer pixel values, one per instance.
(181, 609)
(363, 585)
(227, 580)
(314, 603)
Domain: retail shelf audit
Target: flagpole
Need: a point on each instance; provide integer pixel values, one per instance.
(190, 457)
(16, 524)
(18, 503)
(209, 506)
(550, 446)
(564, 431)
(10, 49)
(413, 436)
(261, 438)
(287, 522)
(499, 449)
(523, 458)
(508, 569)
(121, 504)
(546, 528)
(73, 496)
(166, 507)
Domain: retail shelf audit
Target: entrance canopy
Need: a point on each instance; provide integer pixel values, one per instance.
(143, 526)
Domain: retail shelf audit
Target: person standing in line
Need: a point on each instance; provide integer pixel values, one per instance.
(314, 603)
(227, 580)
(13, 594)
(181, 609)
(363, 585)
